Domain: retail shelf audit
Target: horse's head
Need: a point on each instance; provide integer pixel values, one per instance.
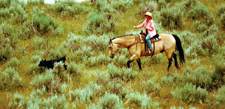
(113, 48)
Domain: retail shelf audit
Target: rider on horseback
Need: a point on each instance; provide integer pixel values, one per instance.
(148, 24)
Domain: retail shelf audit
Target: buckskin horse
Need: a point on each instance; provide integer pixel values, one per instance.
(168, 44)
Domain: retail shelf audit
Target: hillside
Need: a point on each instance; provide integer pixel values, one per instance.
(36, 31)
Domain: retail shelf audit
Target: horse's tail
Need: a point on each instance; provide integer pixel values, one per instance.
(179, 48)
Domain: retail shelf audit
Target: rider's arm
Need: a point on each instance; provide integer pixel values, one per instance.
(141, 26)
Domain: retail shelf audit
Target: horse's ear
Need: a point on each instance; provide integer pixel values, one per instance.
(110, 40)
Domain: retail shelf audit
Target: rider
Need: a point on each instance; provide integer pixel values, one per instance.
(148, 24)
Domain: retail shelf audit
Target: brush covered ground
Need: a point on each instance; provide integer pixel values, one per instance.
(81, 31)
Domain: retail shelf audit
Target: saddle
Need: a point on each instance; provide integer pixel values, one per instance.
(153, 40)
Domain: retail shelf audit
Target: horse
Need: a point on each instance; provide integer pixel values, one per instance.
(168, 44)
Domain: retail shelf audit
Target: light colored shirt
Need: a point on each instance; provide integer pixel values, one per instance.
(149, 25)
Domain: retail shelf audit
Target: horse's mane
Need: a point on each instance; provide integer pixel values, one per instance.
(123, 36)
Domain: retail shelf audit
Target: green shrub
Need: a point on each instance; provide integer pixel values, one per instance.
(220, 10)
(41, 23)
(190, 94)
(59, 71)
(6, 30)
(4, 13)
(54, 102)
(129, 74)
(87, 94)
(142, 101)
(51, 80)
(36, 2)
(99, 23)
(222, 20)
(198, 11)
(5, 51)
(201, 77)
(99, 60)
(14, 62)
(57, 53)
(210, 45)
(123, 5)
(162, 4)
(73, 42)
(220, 96)
(111, 101)
(114, 71)
(171, 18)
(195, 49)
(218, 73)
(124, 74)
(103, 20)
(186, 38)
(69, 8)
(15, 10)
(39, 43)
(169, 81)
(189, 4)
(200, 27)
(18, 101)
(10, 79)
(121, 58)
(151, 86)
(83, 53)
(18, 13)
(147, 6)
(4, 3)
(38, 100)
(59, 31)
(35, 69)
(74, 68)
(116, 86)
(42, 80)
(9, 38)
(99, 43)
(35, 59)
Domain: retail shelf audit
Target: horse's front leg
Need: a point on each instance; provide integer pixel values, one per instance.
(133, 58)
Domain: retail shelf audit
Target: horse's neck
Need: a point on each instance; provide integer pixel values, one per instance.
(125, 41)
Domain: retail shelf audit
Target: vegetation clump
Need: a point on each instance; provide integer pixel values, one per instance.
(10, 79)
(190, 94)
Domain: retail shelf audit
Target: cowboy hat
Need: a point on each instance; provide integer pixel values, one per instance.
(148, 14)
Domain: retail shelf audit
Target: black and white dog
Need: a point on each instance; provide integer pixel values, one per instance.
(50, 63)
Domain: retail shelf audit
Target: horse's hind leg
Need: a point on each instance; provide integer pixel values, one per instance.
(170, 63)
(175, 58)
(139, 63)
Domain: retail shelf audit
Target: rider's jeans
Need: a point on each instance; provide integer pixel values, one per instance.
(148, 42)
